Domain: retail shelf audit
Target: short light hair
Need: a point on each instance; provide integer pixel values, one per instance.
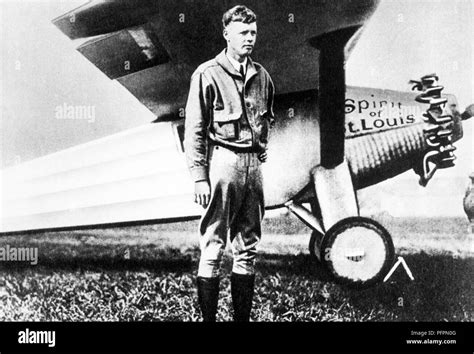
(239, 13)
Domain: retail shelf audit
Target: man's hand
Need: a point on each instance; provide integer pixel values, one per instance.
(202, 193)
(263, 156)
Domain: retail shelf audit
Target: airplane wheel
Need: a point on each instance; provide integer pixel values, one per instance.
(315, 245)
(357, 251)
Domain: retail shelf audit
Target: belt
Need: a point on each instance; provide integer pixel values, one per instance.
(243, 157)
(236, 149)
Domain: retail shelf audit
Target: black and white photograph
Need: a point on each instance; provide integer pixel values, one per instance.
(188, 161)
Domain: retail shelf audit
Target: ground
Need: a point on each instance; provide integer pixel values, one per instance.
(148, 273)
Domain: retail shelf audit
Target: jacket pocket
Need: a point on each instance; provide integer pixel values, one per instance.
(226, 125)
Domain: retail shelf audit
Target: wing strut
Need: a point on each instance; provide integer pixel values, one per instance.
(332, 93)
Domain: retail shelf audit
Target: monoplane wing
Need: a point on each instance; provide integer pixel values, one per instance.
(152, 47)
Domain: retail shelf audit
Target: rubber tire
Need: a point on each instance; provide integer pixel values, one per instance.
(345, 224)
(315, 239)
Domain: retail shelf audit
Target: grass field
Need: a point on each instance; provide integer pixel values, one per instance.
(148, 273)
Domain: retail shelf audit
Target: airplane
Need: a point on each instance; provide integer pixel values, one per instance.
(468, 202)
(329, 140)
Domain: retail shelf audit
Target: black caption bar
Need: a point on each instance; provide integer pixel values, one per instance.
(234, 337)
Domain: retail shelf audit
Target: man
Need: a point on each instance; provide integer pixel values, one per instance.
(228, 115)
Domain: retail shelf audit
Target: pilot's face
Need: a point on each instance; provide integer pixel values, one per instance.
(241, 37)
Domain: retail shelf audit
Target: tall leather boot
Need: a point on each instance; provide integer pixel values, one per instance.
(242, 293)
(208, 295)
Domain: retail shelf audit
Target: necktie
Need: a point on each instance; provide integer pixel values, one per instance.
(242, 72)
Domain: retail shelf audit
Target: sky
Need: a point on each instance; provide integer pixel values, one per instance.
(404, 40)
(41, 71)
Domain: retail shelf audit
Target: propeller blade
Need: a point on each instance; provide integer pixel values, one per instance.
(468, 113)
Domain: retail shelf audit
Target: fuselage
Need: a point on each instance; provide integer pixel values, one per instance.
(384, 138)
(140, 175)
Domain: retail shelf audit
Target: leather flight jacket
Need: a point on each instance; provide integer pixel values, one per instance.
(224, 110)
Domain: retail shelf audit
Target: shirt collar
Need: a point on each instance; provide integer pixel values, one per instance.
(236, 64)
(224, 62)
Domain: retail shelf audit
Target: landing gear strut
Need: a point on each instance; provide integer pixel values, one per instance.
(356, 251)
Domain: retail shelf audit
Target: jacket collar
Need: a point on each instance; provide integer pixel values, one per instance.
(223, 61)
